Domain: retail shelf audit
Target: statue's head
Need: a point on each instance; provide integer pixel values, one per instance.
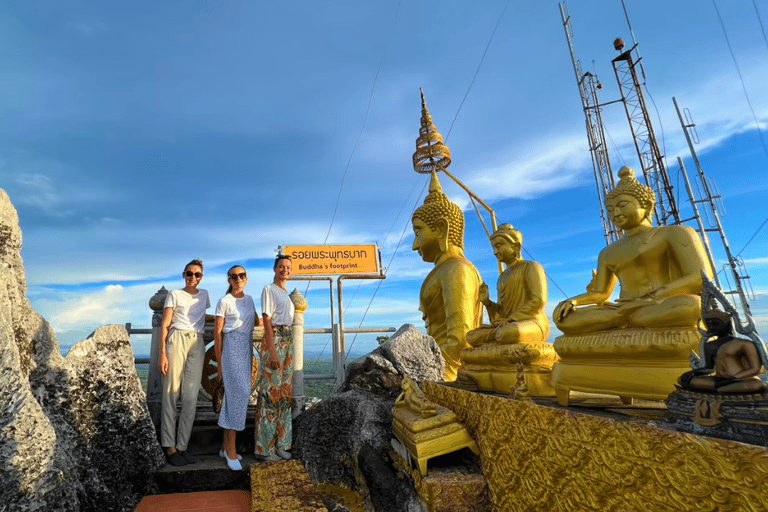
(718, 322)
(629, 190)
(507, 242)
(437, 224)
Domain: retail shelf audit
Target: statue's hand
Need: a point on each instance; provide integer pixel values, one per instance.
(483, 294)
(563, 309)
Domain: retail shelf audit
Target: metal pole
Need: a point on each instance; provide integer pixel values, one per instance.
(702, 228)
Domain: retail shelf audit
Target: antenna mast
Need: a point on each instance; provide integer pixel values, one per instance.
(651, 160)
(741, 285)
(588, 85)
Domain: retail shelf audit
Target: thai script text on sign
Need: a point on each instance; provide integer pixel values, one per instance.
(333, 259)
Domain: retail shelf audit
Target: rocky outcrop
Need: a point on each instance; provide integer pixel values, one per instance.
(75, 433)
(408, 352)
(344, 441)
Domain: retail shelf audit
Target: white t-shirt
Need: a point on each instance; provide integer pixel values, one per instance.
(277, 305)
(239, 314)
(188, 309)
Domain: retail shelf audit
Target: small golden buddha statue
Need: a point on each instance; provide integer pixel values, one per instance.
(449, 296)
(659, 270)
(519, 315)
(637, 346)
(729, 364)
(413, 398)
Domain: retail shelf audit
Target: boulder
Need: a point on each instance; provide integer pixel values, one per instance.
(75, 433)
(344, 441)
(408, 352)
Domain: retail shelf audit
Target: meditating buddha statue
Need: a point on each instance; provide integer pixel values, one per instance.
(633, 347)
(729, 365)
(727, 380)
(516, 338)
(449, 296)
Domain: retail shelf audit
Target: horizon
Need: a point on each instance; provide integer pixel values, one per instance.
(140, 137)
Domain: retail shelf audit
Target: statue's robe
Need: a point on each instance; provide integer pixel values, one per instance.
(451, 307)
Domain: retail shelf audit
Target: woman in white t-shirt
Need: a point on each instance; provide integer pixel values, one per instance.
(233, 341)
(182, 351)
(273, 425)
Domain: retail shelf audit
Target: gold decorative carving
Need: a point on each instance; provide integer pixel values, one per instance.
(450, 489)
(425, 429)
(631, 363)
(543, 458)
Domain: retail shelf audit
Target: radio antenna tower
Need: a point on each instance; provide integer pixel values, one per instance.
(588, 85)
(651, 160)
(708, 198)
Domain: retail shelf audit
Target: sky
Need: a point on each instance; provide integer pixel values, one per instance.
(141, 135)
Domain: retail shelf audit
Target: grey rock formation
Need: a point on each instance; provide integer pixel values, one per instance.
(408, 352)
(344, 441)
(75, 433)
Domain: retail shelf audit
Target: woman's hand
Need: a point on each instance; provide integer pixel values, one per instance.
(162, 363)
(274, 360)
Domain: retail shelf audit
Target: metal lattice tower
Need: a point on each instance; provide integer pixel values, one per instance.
(707, 196)
(651, 160)
(588, 85)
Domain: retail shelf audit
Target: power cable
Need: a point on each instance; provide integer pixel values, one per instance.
(362, 129)
(753, 237)
(741, 79)
(759, 20)
(425, 185)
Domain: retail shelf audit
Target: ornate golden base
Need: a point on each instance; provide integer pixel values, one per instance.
(494, 367)
(544, 458)
(425, 438)
(455, 489)
(631, 363)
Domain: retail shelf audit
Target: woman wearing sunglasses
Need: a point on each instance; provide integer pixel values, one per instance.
(233, 335)
(273, 426)
(182, 351)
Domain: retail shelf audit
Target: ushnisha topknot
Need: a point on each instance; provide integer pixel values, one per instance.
(509, 233)
(629, 185)
(437, 205)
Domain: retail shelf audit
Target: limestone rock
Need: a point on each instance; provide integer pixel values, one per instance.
(407, 353)
(344, 443)
(75, 433)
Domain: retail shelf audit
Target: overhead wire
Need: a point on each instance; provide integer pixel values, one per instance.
(357, 143)
(741, 79)
(759, 20)
(362, 128)
(448, 134)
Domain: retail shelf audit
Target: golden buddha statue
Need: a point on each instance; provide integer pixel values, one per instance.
(659, 270)
(518, 318)
(519, 315)
(449, 296)
(616, 347)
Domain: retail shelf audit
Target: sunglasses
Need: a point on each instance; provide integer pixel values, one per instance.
(189, 273)
(235, 277)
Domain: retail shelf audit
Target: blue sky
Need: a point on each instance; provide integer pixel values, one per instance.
(140, 135)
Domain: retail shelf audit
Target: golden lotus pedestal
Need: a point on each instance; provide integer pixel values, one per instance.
(494, 367)
(630, 363)
(425, 438)
(537, 455)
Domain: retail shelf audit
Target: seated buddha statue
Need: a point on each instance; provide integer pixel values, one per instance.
(637, 346)
(728, 364)
(515, 340)
(519, 315)
(659, 270)
(449, 296)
